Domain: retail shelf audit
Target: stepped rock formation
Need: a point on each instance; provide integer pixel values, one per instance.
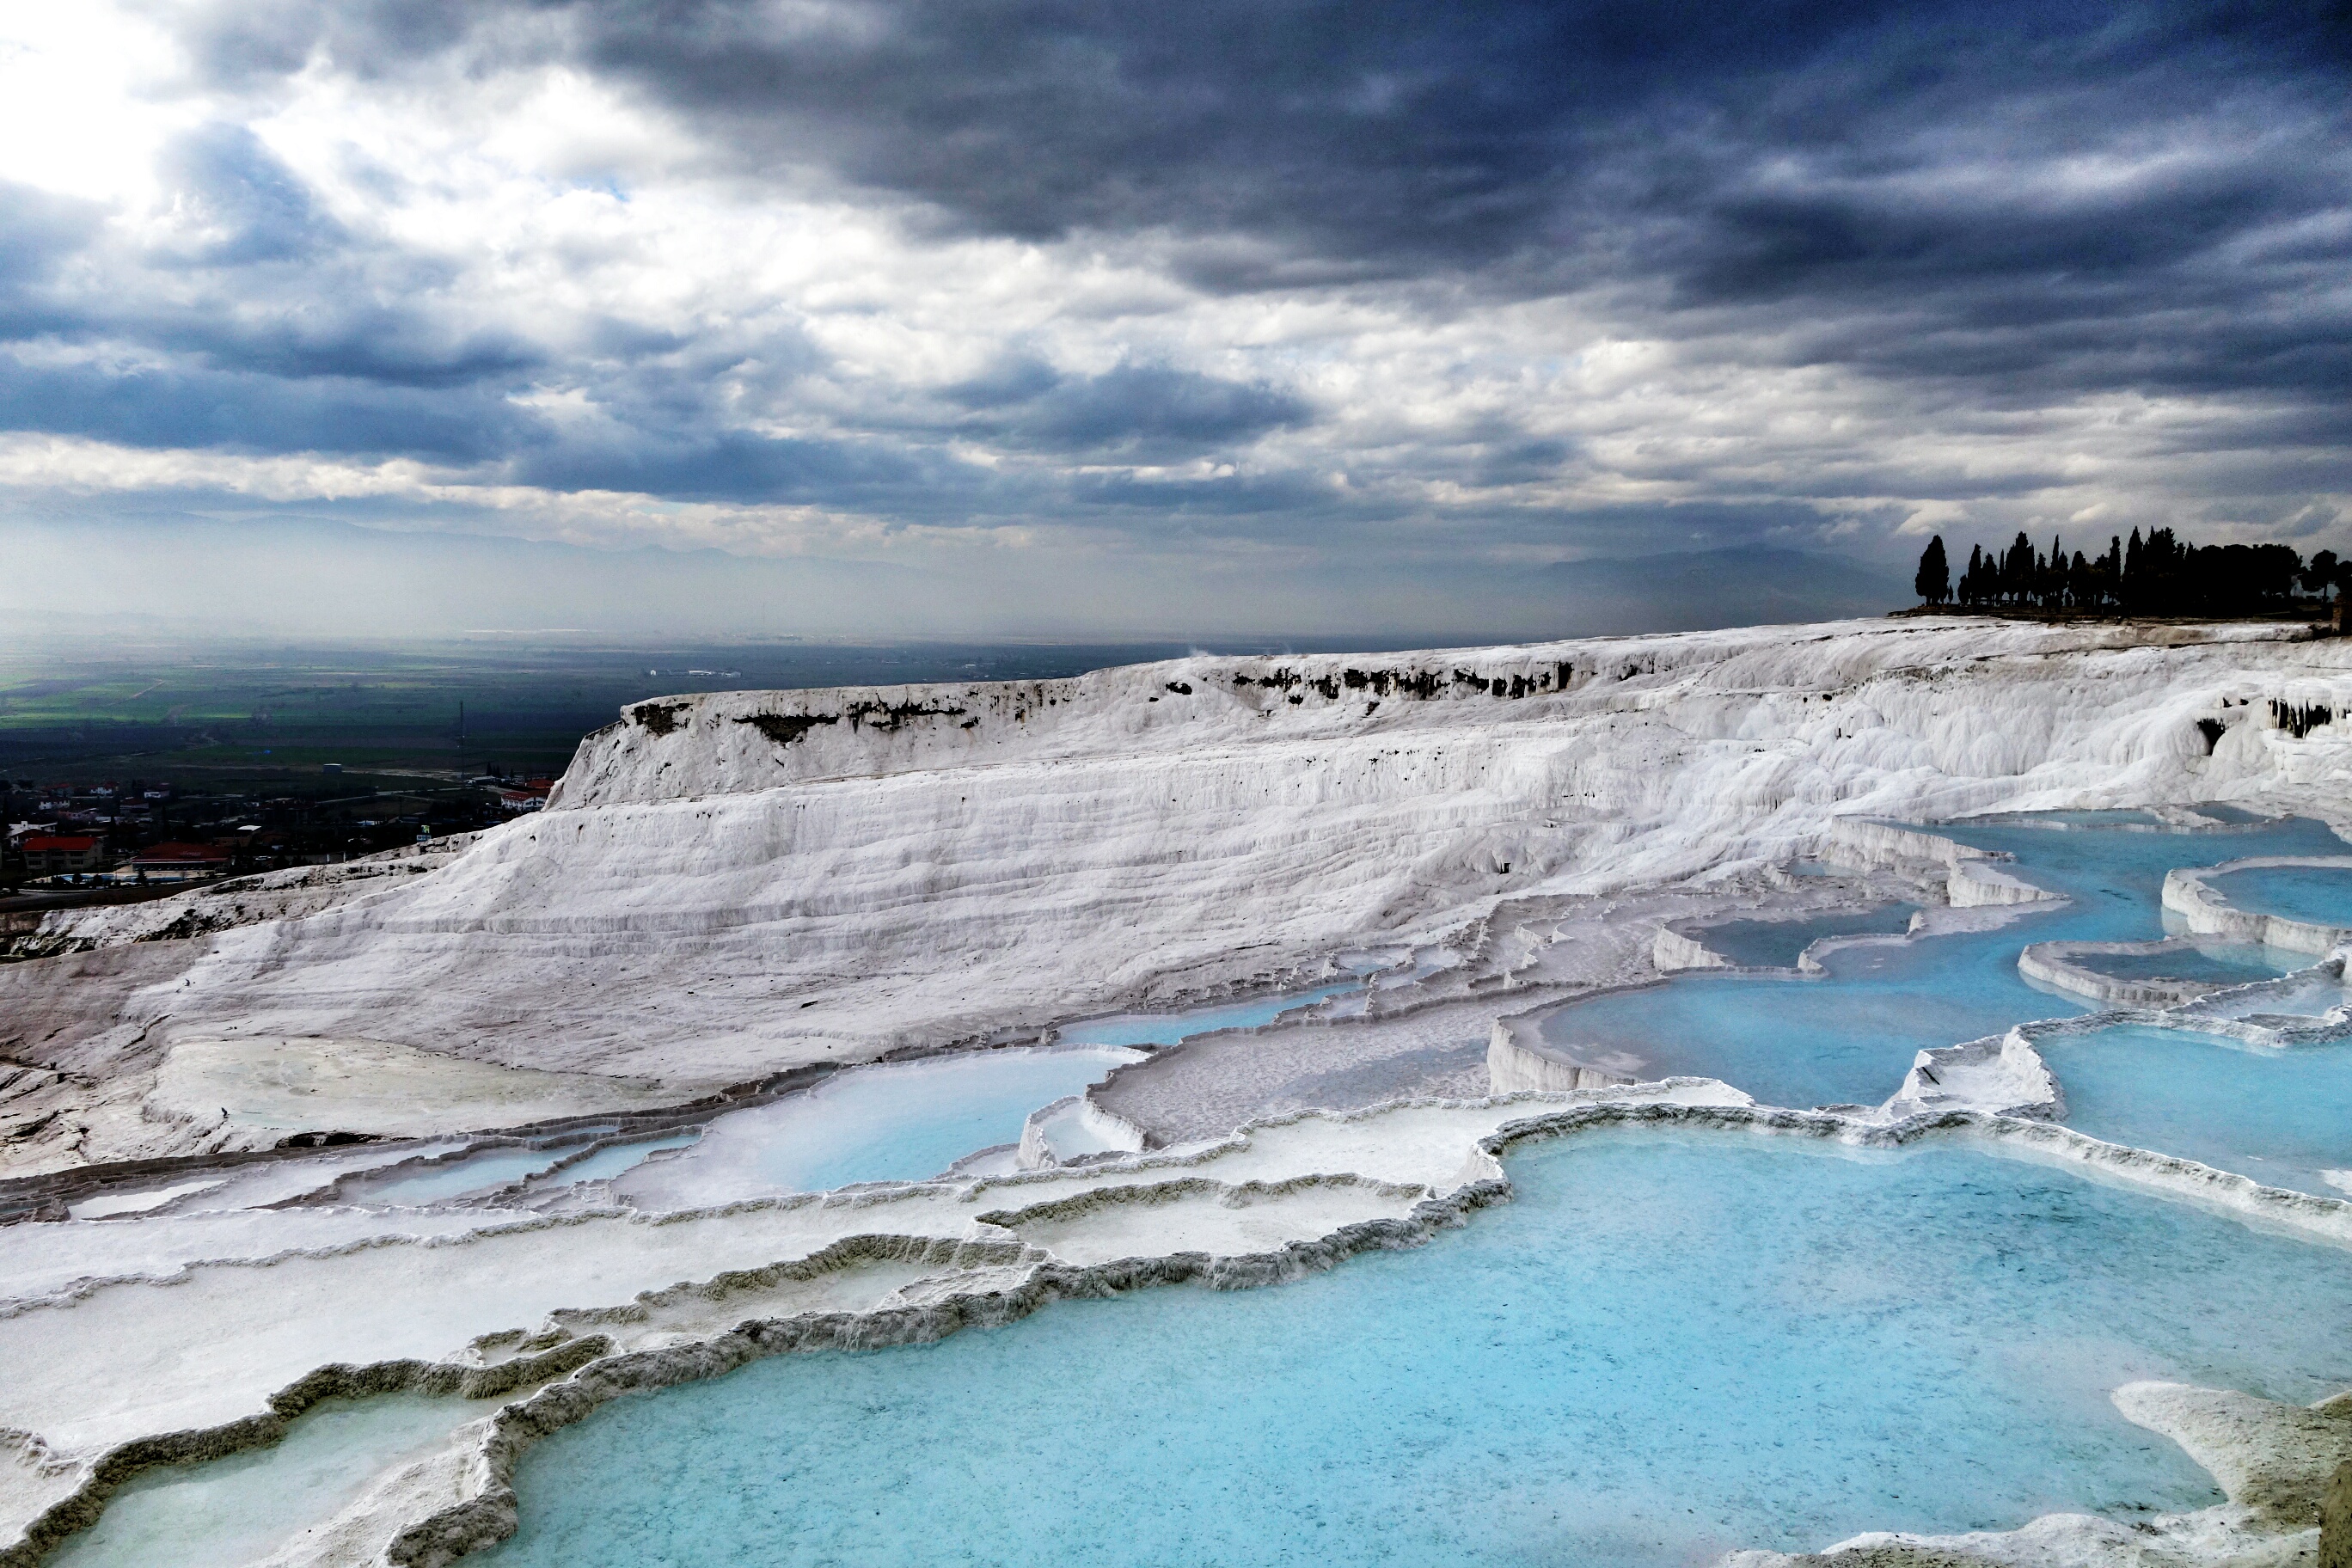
(729, 886)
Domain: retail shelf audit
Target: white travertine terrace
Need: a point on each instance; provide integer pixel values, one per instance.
(2188, 894)
(732, 885)
(217, 1357)
(2052, 963)
(730, 888)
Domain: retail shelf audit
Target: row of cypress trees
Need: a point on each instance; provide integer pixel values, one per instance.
(2156, 575)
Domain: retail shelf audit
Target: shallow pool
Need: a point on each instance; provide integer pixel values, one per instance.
(2299, 1001)
(230, 1512)
(2319, 894)
(2234, 816)
(1849, 1037)
(1762, 944)
(901, 1122)
(2223, 963)
(1669, 1346)
(439, 1184)
(2281, 1116)
(619, 1157)
(1166, 1028)
(2111, 817)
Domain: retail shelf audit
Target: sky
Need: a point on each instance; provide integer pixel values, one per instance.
(1046, 317)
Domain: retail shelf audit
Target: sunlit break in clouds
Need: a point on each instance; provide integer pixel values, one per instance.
(1039, 317)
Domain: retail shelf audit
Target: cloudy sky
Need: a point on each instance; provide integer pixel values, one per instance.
(1045, 315)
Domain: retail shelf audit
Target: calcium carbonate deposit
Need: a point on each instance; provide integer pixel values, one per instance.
(1876, 1090)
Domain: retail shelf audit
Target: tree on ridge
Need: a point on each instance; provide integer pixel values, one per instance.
(1933, 581)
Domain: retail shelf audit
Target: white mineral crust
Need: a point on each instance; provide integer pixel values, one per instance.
(727, 887)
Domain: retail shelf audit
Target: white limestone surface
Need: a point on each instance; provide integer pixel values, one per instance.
(172, 1345)
(729, 885)
(215, 1350)
(276, 1085)
(726, 887)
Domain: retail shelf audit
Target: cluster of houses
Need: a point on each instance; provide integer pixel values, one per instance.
(100, 835)
(45, 855)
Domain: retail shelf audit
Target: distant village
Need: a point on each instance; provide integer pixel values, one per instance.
(130, 835)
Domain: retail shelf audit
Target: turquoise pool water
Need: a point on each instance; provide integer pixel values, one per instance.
(620, 1157)
(898, 1122)
(1670, 1345)
(2226, 963)
(1757, 944)
(1849, 1037)
(2318, 894)
(2281, 1116)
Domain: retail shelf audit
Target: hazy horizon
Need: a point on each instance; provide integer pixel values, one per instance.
(303, 580)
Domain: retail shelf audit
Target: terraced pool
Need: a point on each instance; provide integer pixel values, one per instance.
(2321, 895)
(1849, 1037)
(2282, 1116)
(1668, 1346)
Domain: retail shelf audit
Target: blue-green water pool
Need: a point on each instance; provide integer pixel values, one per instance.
(2282, 1116)
(1668, 1346)
(900, 1121)
(1849, 1037)
(2321, 895)
(1166, 1028)
(2223, 963)
(1762, 944)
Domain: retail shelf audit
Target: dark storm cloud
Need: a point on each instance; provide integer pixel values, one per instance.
(1999, 206)
(1402, 136)
(737, 466)
(1139, 412)
(1529, 147)
(1391, 135)
(192, 406)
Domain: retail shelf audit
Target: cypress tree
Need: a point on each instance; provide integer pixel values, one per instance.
(1933, 583)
